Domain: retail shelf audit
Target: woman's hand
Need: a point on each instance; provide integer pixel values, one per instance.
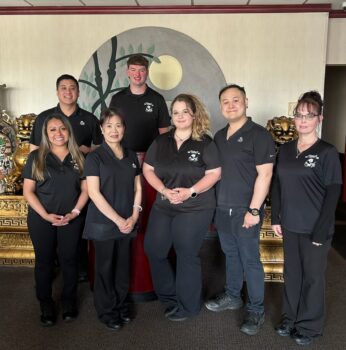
(181, 195)
(128, 225)
(277, 230)
(56, 220)
(172, 196)
(68, 217)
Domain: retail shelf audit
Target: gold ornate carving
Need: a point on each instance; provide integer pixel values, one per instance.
(282, 129)
(15, 243)
(24, 125)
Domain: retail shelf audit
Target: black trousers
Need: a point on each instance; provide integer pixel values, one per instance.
(47, 241)
(112, 277)
(185, 232)
(304, 288)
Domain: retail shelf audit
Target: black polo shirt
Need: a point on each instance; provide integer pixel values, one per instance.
(248, 147)
(144, 115)
(85, 126)
(183, 168)
(117, 181)
(60, 189)
(303, 180)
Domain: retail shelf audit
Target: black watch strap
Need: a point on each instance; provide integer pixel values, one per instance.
(253, 211)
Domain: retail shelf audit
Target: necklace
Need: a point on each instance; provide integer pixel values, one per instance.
(180, 138)
(306, 146)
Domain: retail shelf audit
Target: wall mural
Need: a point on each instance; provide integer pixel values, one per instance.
(177, 64)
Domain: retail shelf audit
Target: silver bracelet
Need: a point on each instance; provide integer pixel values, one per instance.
(138, 206)
(75, 211)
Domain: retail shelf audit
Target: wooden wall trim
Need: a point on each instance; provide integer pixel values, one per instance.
(119, 10)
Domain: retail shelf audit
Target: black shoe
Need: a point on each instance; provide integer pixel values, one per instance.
(114, 325)
(125, 316)
(224, 302)
(47, 320)
(82, 277)
(177, 316)
(284, 329)
(170, 310)
(69, 316)
(253, 322)
(301, 339)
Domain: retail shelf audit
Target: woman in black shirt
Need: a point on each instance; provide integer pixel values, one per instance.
(183, 166)
(305, 193)
(113, 178)
(56, 193)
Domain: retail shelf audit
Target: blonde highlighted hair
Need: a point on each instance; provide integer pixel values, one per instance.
(201, 121)
(39, 163)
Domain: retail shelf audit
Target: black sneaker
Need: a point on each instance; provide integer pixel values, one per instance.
(252, 323)
(284, 328)
(224, 302)
(301, 339)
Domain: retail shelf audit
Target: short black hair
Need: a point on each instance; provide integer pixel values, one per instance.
(138, 60)
(112, 112)
(66, 77)
(232, 86)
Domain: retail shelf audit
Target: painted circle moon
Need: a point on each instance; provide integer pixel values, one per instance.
(167, 74)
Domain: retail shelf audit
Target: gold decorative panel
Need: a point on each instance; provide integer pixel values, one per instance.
(15, 243)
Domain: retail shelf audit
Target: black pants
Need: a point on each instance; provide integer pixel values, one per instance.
(304, 289)
(112, 277)
(47, 240)
(185, 232)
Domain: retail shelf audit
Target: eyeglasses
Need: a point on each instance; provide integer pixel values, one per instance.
(309, 116)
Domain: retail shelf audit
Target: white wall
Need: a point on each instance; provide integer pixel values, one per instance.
(275, 56)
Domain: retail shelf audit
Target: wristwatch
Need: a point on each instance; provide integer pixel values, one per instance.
(193, 192)
(253, 211)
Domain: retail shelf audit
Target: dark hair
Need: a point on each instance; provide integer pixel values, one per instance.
(112, 112)
(312, 99)
(39, 163)
(138, 60)
(232, 86)
(66, 77)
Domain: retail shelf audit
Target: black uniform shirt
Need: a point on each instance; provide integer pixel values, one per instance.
(60, 189)
(117, 182)
(144, 115)
(85, 126)
(303, 180)
(183, 168)
(248, 147)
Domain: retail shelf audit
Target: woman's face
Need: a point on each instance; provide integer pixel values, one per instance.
(113, 129)
(306, 120)
(182, 115)
(57, 132)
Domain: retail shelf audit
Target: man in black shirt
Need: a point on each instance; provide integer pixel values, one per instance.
(85, 125)
(247, 155)
(145, 110)
(146, 116)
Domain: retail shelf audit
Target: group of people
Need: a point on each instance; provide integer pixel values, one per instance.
(198, 179)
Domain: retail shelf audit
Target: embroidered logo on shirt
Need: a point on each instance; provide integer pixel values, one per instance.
(193, 155)
(82, 122)
(134, 166)
(311, 160)
(240, 139)
(149, 107)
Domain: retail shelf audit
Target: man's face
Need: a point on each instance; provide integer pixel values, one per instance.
(233, 104)
(67, 92)
(137, 75)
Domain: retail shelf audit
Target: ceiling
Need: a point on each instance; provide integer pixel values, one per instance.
(336, 4)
